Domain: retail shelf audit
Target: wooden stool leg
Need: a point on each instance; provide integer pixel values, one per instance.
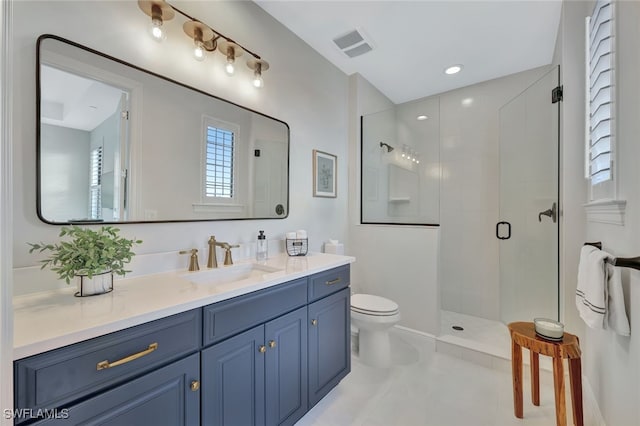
(516, 372)
(575, 378)
(558, 387)
(535, 377)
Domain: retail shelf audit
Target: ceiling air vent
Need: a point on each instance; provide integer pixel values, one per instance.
(353, 44)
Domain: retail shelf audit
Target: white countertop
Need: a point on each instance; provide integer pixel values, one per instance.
(52, 319)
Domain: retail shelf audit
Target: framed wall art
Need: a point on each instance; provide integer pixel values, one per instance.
(325, 179)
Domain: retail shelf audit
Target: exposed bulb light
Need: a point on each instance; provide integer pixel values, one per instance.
(159, 11)
(258, 82)
(198, 51)
(258, 66)
(231, 51)
(421, 117)
(453, 69)
(229, 68)
(157, 33)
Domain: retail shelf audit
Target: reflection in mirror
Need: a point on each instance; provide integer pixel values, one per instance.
(401, 164)
(119, 144)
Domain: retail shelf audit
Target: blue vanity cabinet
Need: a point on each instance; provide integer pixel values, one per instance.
(262, 358)
(329, 343)
(258, 377)
(168, 396)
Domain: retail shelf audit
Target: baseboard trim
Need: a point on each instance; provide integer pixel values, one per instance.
(414, 331)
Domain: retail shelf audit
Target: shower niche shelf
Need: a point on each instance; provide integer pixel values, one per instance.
(399, 199)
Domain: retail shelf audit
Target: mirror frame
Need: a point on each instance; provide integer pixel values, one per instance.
(44, 37)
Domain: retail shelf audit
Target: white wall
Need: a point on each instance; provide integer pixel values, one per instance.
(610, 362)
(469, 260)
(315, 109)
(65, 163)
(394, 261)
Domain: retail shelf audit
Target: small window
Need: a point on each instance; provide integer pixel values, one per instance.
(95, 184)
(219, 166)
(599, 153)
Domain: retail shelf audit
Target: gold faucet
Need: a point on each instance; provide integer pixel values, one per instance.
(228, 260)
(193, 259)
(212, 260)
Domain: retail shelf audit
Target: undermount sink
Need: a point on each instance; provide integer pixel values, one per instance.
(228, 274)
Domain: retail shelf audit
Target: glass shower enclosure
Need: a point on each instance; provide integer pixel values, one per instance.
(528, 229)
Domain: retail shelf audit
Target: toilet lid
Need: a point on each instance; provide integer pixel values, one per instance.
(373, 305)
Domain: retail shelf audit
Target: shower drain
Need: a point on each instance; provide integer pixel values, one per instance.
(458, 328)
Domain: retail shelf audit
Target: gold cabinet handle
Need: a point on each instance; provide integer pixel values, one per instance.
(195, 385)
(103, 365)
(332, 282)
(272, 344)
(262, 349)
(314, 322)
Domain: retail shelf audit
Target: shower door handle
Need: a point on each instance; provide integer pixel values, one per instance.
(552, 213)
(500, 237)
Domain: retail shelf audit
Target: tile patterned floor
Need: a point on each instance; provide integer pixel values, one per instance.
(424, 387)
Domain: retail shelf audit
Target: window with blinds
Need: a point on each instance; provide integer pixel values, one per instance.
(95, 184)
(219, 162)
(600, 93)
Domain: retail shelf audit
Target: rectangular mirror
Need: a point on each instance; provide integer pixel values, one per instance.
(117, 143)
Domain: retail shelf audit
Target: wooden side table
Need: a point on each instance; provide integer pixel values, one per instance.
(523, 335)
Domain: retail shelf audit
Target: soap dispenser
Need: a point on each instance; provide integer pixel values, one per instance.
(261, 247)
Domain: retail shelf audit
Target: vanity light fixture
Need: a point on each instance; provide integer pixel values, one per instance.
(159, 11)
(231, 50)
(205, 38)
(258, 65)
(453, 69)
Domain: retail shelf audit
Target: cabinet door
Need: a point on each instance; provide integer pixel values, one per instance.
(162, 397)
(329, 344)
(233, 380)
(286, 368)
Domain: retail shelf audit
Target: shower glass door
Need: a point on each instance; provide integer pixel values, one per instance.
(529, 210)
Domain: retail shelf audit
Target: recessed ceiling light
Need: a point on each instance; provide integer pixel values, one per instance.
(453, 69)
(421, 117)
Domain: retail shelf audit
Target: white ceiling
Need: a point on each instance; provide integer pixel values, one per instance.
(414, 41)
(69, 100)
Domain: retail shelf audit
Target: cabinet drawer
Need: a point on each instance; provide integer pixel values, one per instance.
(62, 375)
(162, 397)
(224, 319)
(325, 283)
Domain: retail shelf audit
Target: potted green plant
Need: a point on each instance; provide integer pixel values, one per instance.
(92, 255)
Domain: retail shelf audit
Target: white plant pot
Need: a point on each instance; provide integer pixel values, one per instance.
(98, 284)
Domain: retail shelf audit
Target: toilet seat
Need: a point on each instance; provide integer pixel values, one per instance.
(369, 304)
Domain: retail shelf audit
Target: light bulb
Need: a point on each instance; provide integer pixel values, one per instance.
(229, 68)
(198, 51)
(257, 81)
(157, 33)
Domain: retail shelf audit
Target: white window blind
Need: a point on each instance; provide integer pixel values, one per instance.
(600, 93)
(219, 162)
(95, 184)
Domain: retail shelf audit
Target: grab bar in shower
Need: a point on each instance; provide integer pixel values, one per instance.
(623, 262)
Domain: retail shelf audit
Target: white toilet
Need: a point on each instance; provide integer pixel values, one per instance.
(373, 316)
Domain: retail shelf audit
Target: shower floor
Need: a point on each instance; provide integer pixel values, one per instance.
(481, 340)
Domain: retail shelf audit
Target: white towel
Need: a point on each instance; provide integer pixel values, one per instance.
(616, 316)
(591, 297)
(599, 295)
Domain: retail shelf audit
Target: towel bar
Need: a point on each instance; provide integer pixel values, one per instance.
(623, 262)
